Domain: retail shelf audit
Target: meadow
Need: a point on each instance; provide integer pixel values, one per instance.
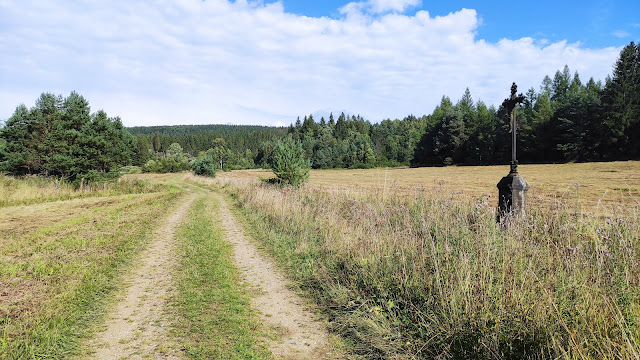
(62, 251)
(65, 252)
(410, 263)
(587, 187)
(402, 263)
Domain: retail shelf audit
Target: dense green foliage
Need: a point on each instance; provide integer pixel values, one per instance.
(204, 166)
(620, 130)
(352, 142)
(239, 140)
(289, 163)
(60, 137)
(173, 160)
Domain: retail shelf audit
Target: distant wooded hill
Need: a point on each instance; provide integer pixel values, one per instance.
(195, 139)
(564, 120)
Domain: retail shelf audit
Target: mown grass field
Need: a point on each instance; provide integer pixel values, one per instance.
(587, 187)
(61, 253)
(410, 263)
(64, 253)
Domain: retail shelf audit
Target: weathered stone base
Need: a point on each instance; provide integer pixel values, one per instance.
(512, 196)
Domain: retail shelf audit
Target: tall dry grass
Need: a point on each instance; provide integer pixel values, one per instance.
(432, 276)
(34, 189)
(598, 184)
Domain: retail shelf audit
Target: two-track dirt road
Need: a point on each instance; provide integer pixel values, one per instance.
(137, 326)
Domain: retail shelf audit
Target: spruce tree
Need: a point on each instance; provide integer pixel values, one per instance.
(288, 162)
(623, 104)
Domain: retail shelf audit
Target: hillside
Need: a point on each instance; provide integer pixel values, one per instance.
(196, 138)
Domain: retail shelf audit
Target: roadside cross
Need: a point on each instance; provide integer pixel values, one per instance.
(512, 188)
(510, 105)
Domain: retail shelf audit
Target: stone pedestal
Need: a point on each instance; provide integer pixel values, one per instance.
(512, 195)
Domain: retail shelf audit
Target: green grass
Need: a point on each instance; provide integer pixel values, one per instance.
(58, 276)
(214, 319)
(436, 277)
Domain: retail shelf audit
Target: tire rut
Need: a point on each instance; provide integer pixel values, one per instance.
(302, 336)
(137, 326)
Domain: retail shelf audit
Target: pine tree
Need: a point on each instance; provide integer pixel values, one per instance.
(452, 138)
(289, 163)
(341, 128)
(308, 126)
(623, 104)
(59, 137)
(17, 134)
(593, 141)
(560, 85)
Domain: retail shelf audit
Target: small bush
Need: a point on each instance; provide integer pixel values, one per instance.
(288, 162)
(205, 166)
(130, 169)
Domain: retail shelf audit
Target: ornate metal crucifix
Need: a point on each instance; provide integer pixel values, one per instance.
(512, 188)
(510, 105)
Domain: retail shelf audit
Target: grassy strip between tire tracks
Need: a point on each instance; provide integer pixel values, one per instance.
(55, 281)
(214, 320)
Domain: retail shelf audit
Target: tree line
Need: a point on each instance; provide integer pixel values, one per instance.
(564, 120)
(60, 137)
(154, 141)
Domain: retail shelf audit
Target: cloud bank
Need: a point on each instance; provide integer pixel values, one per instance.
(245, 62)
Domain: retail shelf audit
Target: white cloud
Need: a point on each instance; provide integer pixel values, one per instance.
(189, 61)
(379, 6)
(621, 34)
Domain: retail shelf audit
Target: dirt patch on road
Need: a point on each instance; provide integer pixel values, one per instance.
(283, 311)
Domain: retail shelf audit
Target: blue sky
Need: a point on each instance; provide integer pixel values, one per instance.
(158, 62)
(594, 23)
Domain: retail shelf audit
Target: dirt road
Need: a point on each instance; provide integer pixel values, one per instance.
(137, 326)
